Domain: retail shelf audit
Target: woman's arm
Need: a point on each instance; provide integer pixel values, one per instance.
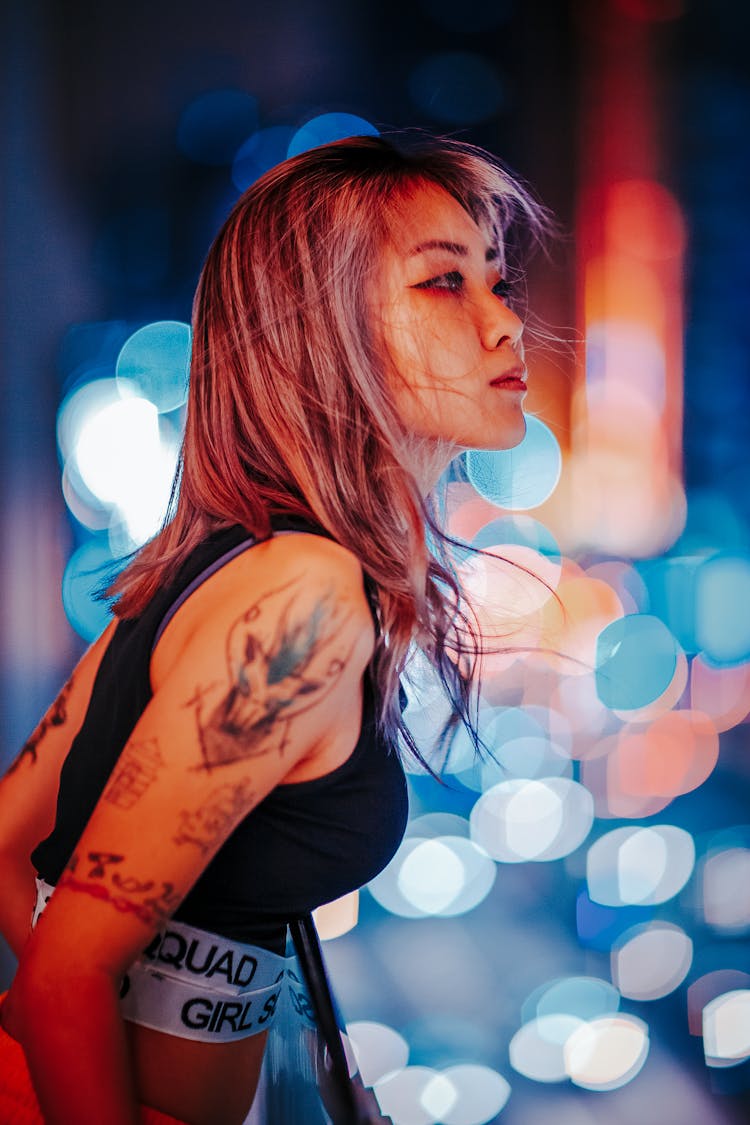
(255, 689)
(28, 793)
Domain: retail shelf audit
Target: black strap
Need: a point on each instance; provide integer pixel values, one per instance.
(347, 1100)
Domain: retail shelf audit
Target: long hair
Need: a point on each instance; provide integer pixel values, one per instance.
(290, 410)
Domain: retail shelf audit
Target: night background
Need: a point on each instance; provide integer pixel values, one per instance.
(561, 938)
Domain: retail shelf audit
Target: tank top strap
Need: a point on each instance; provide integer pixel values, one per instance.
(281, 525)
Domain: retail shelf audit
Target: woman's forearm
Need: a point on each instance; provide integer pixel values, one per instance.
(74, 1041)
(16, 901)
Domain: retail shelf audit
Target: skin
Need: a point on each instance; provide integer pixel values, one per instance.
(448, 332)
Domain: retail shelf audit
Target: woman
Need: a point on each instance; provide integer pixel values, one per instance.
(226, 752)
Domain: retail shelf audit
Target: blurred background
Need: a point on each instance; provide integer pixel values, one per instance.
(563, 935)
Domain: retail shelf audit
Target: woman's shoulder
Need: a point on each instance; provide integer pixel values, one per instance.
(300, 576)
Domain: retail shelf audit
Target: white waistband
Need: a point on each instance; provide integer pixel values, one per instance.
(198, 985)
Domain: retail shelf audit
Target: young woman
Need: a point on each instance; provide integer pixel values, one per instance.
(226, 753)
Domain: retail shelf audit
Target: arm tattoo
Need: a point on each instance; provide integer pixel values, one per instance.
(269, 685)
(209, 823)
(152, 902)
(55, 717)
(135, 771)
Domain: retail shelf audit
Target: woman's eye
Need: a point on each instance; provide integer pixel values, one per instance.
(502, 288)
(452, 282)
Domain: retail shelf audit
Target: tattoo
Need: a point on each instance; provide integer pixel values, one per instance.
(268, 686)
(150, 901)
(209, 824)
(135, 771)
(55, 717)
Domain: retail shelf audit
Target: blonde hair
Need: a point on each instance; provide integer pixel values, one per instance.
(290, 410)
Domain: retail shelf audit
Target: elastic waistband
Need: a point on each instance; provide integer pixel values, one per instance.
(198, 985)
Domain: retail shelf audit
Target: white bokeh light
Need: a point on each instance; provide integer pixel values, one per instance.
(651, 960)
(726, 889)
(643, 866)
(400, 1095)
(537, 1049)
(442, 875)
(726, 1028)
(606, 1053)
(123, 461)
(378, 1049)
(521, 819)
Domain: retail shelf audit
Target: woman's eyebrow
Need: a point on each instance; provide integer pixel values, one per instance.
(458, 248)
(439, 244)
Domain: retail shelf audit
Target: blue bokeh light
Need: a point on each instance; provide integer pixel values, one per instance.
(214, 125)
(722, 609)
(259, 153)
(519, 478)
(327, 127)
(155, 362)
(636, 659)
(458, 87)
(89, 568)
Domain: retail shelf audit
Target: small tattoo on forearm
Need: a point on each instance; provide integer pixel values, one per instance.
(136, 770)
(56, 716)
(211, 822)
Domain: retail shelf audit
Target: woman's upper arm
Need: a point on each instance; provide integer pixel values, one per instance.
(28, 791)
(256, 689)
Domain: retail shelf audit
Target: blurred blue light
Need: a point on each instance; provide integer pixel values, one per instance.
(458, 87)
(723, 609)
(155, 362)
(262, 151)
(88, 569)
(213, 126)
(329, 127)
(600, 926)
(518, 478)
(671, 585)
(636, 659)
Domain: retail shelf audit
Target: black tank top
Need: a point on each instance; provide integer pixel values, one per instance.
(305, 844)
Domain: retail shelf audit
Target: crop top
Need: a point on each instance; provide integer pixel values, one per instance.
(306, 843)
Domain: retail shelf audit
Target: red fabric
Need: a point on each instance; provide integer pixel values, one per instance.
(18, 1104)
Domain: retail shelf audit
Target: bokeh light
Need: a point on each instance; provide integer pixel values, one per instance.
(606, 1053)
(263, 150)
(155, 361)
(537, 1049)
(378, 1049)
(723, 584)
(520, 820)
(725, 885)
(636, 660)
(519, 478)
(721, 693)
(651, 960)
(639, 865)
(327, 127)
(89, 568)
(726, 1029)
(442, 875)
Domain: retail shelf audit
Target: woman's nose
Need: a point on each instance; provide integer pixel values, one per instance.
(499, 324)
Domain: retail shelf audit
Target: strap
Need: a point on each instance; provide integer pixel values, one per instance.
(238, 549)
(346, 1098)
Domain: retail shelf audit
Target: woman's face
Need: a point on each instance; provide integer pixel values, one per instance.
(453, 343)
